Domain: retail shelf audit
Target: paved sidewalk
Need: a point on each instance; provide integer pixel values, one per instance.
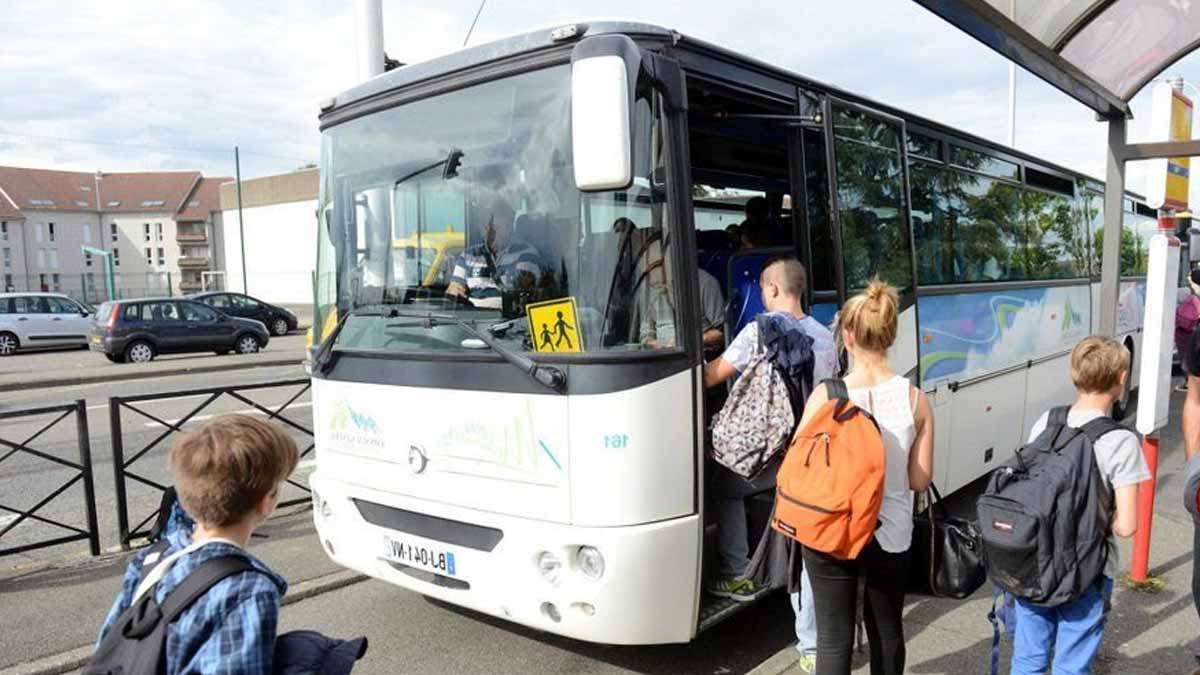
(29, 370)
(53, 613)
(1150, 633)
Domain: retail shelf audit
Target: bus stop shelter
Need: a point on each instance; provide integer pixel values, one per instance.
(1101, 53)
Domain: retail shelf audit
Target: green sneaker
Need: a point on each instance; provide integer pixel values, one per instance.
(807, 663)
(741, 590)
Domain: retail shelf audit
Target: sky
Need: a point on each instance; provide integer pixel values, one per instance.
(129, 85)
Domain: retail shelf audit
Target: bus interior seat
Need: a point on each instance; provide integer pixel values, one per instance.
(713, 250)
(744, 292)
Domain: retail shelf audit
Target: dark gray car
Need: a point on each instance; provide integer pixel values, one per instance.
(138, 330)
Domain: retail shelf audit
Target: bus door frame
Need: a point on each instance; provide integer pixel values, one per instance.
(908, 298)
(808, 118)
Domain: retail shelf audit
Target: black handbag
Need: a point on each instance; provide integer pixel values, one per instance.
(947, 553)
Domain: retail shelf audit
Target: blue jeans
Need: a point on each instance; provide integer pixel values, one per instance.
(1070, 632)
(729, 499)
(806, 617)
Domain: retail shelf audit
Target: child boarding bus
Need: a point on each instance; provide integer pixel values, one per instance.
(526, 437)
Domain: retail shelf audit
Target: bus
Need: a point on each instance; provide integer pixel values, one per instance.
(461, 456)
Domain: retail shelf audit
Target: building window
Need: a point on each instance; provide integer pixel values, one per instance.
(8, 283)
(87, 233)
(42, 285)
(54, 283)
(41, 258)
(4, 230)
(158, 231)
(8, 258)
(114, 232)
(53, 259)
(87, 259)
(116, 257)
(162, 258)
(146, 231)
(40, 232)
(51, 227)
(149, 259)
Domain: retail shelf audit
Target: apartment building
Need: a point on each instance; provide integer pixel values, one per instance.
(160, 229)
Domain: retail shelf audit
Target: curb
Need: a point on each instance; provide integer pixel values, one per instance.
(75, 659)
(147, 374)
(780, 663)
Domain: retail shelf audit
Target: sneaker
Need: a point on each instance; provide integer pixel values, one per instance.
(740, 590)
(807, 663)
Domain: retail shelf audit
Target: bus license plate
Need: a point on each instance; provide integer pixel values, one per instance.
(422, 557)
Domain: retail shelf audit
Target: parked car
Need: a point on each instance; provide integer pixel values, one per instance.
(41, 320)
(276, 318)
(138, 330)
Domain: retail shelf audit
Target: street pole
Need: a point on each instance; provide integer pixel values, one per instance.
(1012, 104)
(237, 167)
(1114, 207)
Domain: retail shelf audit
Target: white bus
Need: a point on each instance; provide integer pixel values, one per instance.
(465, 457)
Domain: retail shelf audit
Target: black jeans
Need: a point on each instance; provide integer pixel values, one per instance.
(1196, 569)
(835, 598)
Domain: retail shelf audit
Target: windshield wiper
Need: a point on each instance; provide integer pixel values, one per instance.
(548, 376)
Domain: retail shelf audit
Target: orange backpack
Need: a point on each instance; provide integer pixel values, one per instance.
(830, 485)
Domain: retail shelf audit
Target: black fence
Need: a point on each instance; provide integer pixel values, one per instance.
(122, 466)
(11, 449)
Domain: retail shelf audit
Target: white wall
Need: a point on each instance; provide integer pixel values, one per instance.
(281, 251)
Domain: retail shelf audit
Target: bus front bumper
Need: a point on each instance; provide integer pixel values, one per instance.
(647, 593)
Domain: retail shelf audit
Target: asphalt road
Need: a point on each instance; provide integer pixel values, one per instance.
(413, 635)
(26, 479)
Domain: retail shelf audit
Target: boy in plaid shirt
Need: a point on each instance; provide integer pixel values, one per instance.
(228, 474)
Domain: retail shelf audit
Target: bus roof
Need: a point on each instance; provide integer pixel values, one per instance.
(528, 43)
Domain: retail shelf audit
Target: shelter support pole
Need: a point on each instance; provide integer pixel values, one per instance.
(1114, 204)
(1139, 566)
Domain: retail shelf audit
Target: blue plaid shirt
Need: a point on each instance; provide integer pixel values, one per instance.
(230, 629)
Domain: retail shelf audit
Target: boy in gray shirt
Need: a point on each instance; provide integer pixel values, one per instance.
(1071, 632)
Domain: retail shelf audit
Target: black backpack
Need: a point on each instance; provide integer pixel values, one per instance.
(136, 643)
(1046, 514)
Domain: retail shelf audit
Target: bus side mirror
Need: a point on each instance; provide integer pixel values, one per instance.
(604, 71)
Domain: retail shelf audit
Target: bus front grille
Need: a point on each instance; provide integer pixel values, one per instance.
(444, 530)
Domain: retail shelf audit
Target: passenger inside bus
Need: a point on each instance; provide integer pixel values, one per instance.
(501, 262)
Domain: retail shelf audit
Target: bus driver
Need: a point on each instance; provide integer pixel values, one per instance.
(501, 262)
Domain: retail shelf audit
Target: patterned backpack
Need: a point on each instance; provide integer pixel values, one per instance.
(761, 413)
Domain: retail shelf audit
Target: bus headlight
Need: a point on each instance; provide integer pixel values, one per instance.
(549, 566)
(591, 561)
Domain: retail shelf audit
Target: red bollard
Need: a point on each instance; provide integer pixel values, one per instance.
(1140, 565)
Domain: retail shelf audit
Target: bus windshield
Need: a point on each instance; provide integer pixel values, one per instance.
(463, 205)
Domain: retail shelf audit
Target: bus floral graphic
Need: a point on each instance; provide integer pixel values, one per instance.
(353, 427)
(970, 334)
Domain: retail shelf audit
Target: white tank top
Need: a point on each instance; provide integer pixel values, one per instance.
(891, 404)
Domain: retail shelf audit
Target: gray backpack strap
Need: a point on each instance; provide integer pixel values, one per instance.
(208, 574)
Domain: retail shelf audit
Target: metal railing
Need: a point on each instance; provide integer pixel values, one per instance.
(122, 467)
(81, 472)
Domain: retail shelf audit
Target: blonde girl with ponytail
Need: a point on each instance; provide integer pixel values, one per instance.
(867, 328)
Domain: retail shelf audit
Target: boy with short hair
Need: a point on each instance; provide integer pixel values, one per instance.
(1071, 632)
(228, 474)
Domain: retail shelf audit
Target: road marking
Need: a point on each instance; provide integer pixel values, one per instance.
(201, 418)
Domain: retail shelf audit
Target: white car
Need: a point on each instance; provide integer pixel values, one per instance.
(41, 320)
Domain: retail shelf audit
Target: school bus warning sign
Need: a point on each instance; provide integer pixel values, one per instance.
(554, 327)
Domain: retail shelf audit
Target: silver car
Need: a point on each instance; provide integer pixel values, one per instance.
(41, 320)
